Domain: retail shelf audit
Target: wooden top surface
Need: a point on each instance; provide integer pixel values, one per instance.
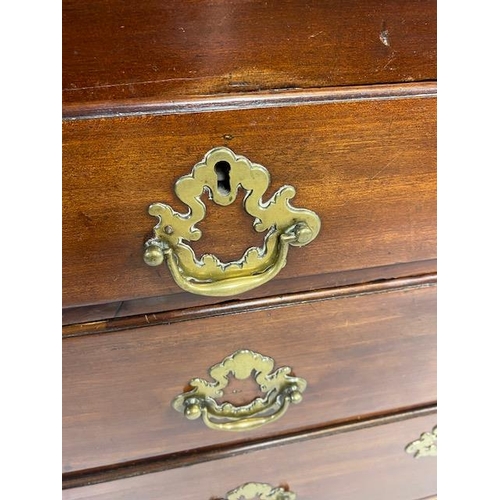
(115, 50)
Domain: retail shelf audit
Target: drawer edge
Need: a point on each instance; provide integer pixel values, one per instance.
(252, 100)
(172, 461)
(235, 307)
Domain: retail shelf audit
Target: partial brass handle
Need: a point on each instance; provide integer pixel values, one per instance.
(223, 173)
(261, 491)
(425, 446)
(279, 387)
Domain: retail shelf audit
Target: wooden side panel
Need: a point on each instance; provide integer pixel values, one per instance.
(163, 49)
(360, 356)
(367, 168)
(368, 463)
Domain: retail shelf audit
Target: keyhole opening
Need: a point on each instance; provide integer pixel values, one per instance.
(222, 169)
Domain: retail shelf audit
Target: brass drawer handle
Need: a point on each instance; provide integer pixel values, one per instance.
(223, 173)
(425, 446)
(261, 491)
(279, 387)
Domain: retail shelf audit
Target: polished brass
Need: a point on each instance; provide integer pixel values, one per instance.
(425, 446)
(279, 387)
(261, 491)
(285, 226)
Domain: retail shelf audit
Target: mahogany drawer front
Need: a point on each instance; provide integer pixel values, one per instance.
(366, 167)
(157, 49)
(366, 463)
(168, 308)
(360, 355)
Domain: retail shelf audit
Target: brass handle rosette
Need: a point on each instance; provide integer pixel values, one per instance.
(285, 225)
(280, 389)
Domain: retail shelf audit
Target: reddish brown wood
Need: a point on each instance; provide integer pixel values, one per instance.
(336, 98)
(360, 356)
(368, 168)
(166, 462)
(367, 463)
(268, 99)
(234, 307)
(161, 49)
(106, 316)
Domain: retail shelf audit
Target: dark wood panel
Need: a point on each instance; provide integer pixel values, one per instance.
(255, 100)
(238, 306)
(368, 168)
(367, 463)
(360, 356)
(161, 49)
(161, 463)
(113, 315)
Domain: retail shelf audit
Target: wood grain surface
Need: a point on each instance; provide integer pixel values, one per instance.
(360, 356)
(189, 311)
(366, 463)
(150, 310)
(162, 49)
(162, 463)
(366, 167)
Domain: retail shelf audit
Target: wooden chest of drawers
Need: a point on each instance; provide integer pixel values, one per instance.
(174, 387)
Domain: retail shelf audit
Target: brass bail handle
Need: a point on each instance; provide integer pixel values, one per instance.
(279, 388)
(223, 172)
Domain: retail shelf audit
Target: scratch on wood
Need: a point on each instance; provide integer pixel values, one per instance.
(147, 82)
(391, 58)
(239, 84)
(392, 160)
(379, 172)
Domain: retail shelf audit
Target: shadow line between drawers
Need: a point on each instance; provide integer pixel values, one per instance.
(191, 457)
(235, 307)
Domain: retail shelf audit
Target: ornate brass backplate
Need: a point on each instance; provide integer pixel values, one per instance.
(279, 387)
(425, 446)
(285, 226)
(261, 491)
